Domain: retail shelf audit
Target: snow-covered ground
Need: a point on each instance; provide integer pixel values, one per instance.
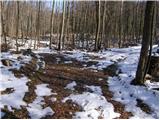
(127, 61)
(127, 93)
(19, 87)
(8, 80)
(35, 108)
(93, 103)
(71, 85)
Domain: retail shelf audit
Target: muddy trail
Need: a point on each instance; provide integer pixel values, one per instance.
(58, 73)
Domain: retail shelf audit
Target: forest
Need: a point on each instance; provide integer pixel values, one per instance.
(71, 59)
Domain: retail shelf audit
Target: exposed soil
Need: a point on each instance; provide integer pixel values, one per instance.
(58, 74)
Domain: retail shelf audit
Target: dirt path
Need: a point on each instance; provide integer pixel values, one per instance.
(57, 73)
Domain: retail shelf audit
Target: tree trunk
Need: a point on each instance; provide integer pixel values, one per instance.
(147, 32)
(103, 23)
(98, 24)
(38, 26)
(121, 25)
(28, 25)
(3, 32)
(17, 25)
(151, 42)
(62, 28)
(51, 25)
(73, 26)
(67, 27)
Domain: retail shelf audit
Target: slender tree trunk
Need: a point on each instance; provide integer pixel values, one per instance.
(38, 26)
(133, 25)
(17, 25)
(62, 28)
(147, 36)
(98, 24)
(136, 23)
(22, 34)
(103, 23)
(28, 25)
(67, 30)
(121, 25)
(51, 25)
(73, 26)
(3, 32)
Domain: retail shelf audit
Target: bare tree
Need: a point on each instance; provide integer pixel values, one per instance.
(73, 25)
(121, 25)
(80, 19)
(103, 22)
(51, 25)
(3, 25)
(17, 25)
(61, 37)
(98, 24)
(147, 36)
(38, 26)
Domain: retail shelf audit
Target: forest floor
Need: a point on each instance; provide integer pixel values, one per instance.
(75, 84)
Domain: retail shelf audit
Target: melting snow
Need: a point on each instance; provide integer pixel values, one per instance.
(94, 106)
(2, 114)
(36, 111)
(42, 90)
(71, 85)
(126, 93)
(127, 59)
(15, 98)
(152, 85)
(8, 80)
(35, 108)
(95, 89)
(53, 99)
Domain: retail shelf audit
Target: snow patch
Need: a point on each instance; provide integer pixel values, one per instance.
(42, 90)
(95, 89)
(9, 81)
(36, 110)
(94, 106)
(71, 85)
(126, 93)
(53, 99)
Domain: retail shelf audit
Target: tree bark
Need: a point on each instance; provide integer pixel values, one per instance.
(62, 28)
(121, 25)
(98, 25)
(151, 42)
(3, 32)
(73, 26)
(17, 25)
(51, 25)
(103, 22)
(147, 32)
(38, 26)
